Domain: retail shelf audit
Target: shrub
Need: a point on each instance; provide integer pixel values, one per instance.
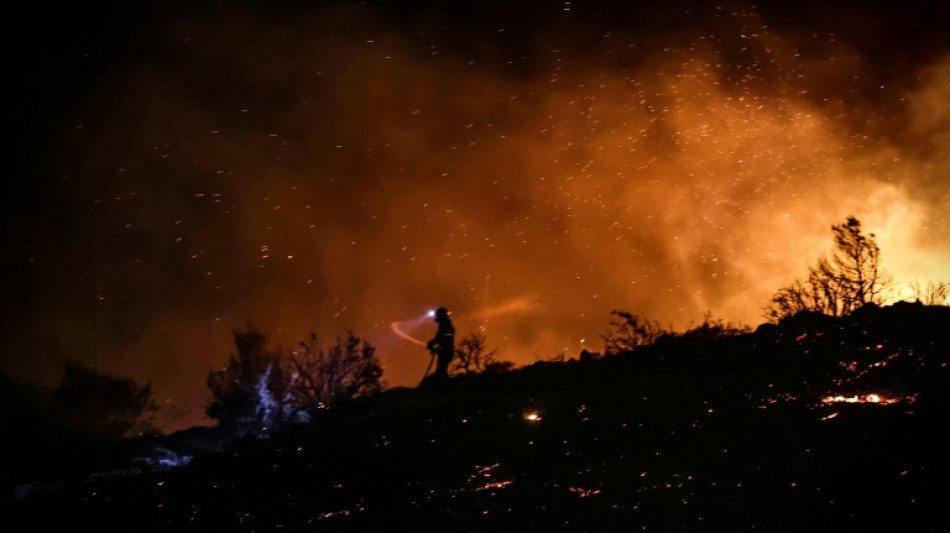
(838, 285)
(320, 376)
(473, 357)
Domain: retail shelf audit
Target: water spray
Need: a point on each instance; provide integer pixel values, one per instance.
(397, 327)
(403, 328)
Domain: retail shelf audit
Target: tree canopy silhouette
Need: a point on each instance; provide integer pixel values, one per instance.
(65, 431)
(839, 284)
(473, 357)
(322, 376)
(629, 332)
(243, 392)
(105, 406)
(263, 387)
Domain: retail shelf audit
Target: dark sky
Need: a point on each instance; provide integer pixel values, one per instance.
(180, 169)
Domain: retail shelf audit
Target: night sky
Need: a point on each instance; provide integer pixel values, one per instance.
(177, 170)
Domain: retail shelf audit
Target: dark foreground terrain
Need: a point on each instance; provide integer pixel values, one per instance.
(698, 432)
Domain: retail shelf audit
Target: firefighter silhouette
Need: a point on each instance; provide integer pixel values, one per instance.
(442, 345)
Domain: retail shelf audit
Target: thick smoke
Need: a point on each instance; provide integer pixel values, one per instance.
(341, 169)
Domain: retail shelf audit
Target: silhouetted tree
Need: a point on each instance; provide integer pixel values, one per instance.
(247, 393)
(629, 332)
(102, 406)
(261, 388)
(473, 357)
(838, 285)
(320, 376)
(62, 432)
(932, 293)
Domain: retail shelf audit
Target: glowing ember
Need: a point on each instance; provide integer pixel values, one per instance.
(867, 398)
(314, 197)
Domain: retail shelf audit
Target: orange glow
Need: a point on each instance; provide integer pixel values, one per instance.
(864, 398)
(341, 170)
